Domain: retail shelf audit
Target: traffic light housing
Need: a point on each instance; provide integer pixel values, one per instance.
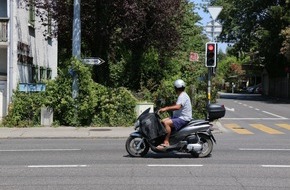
(210, 54)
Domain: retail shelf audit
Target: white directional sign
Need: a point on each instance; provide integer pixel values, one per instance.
(214, 11)
(215, 28)
(93, 61)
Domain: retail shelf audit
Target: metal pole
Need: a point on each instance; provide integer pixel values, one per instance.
(76, 49)
(212, 31)
(209, 86)
(10, 82)
(76, 43)
(210, 69)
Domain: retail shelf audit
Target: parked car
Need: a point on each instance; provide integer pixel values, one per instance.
(258, 90)
(252, 89)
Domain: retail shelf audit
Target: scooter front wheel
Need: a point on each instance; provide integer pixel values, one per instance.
(137, 147)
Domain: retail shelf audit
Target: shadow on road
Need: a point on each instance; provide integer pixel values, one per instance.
(168, 155)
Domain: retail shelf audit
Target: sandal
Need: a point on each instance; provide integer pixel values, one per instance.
(162, 146)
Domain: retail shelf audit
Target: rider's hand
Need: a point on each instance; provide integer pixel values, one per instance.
(163, 110)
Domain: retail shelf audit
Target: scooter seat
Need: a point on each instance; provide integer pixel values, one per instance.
(195, 122)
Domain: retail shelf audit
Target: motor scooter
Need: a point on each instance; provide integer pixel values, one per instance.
(195, 138)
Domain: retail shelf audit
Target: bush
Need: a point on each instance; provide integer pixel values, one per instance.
(25, 109)
(117, 107)
(94, 105)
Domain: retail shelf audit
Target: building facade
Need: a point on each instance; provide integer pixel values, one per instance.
(28, 51)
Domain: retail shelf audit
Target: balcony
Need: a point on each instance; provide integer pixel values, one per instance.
(3, 32)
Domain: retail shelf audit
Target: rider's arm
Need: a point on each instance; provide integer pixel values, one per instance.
(170, 108)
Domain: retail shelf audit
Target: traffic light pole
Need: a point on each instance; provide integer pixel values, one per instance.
(209, 86)
(214, 12)
(210, 69)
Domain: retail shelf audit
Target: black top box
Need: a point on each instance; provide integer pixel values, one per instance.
(215, 111)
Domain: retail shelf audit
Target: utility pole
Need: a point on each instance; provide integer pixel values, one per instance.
(76, 42)
(76, 50)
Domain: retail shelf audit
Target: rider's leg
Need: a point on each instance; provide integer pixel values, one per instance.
(168, 124)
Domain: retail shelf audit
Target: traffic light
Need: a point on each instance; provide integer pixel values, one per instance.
(210, 54)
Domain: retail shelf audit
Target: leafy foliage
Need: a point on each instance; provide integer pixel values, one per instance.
(146, 46)
(94, 105)
(255, 26)
(285, 50)
(25, 109)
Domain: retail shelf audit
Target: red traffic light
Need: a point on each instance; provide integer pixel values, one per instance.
(210, 54)
(210, 47)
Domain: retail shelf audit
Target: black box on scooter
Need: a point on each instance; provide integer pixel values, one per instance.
(215, 111)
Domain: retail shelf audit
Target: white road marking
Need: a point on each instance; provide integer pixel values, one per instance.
(172, 165)
(276, 166)
(57, 166)
(273, 114)
(265, 149)
(230, 109)
(281, 117)
(254, 118)
(38, 150)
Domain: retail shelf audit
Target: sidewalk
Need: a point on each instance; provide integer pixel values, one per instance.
(71, 132)
(66, 132)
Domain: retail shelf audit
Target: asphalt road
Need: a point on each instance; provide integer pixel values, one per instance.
(237, 162)
(249, 155)
(253, 114)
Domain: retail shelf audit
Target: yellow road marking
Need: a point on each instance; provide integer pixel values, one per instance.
(285, 126)
(267, 129)
(236, 128)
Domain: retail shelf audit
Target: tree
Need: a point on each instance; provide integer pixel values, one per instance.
(132, 36)
(255, 27)
(285, 50)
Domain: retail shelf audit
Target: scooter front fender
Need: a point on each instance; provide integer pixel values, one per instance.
(136, 134)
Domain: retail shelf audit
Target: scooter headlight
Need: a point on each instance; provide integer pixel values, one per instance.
(137, 124)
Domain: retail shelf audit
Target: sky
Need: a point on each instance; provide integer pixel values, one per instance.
(205, 19)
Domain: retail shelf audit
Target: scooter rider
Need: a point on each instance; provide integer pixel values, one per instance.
(182, 112)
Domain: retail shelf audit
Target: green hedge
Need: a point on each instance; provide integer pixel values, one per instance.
(94, 105)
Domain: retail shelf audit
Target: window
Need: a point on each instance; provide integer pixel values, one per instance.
(34, 74)
(42, 73)
(49, 30)
(31, 13)
(48, 72)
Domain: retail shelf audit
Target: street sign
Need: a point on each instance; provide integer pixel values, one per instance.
(215, 28)
(93, 61)
(193, 57)
(214, 11)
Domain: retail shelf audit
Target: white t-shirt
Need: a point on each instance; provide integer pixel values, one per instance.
(185, 112)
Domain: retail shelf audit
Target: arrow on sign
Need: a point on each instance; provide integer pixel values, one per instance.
(230, 109)
(94, 61)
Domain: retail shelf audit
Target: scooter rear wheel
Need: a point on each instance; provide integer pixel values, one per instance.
(207, 146)
(137, 147)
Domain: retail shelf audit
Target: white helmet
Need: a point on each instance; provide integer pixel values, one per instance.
(179, 83)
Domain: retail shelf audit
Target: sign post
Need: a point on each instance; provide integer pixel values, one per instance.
(214, 29)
